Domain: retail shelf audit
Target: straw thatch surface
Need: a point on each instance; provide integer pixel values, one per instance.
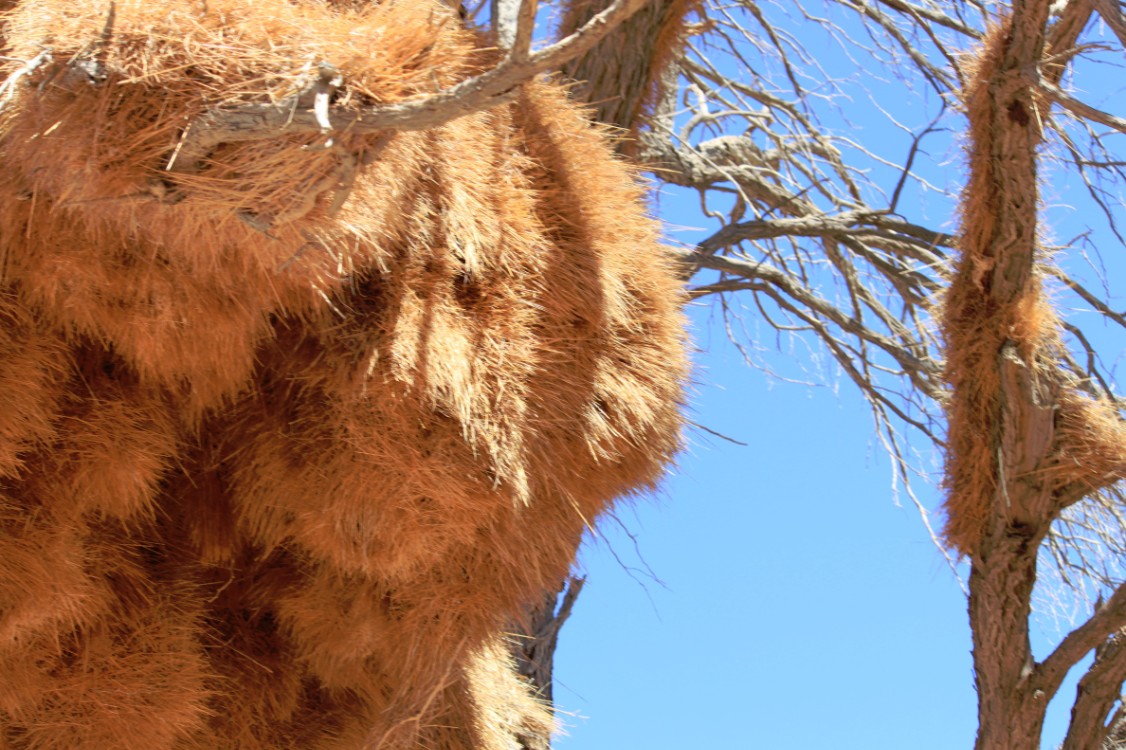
(288, 438)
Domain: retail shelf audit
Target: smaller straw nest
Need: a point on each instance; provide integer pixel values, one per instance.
(1011, 401)
(299, 432)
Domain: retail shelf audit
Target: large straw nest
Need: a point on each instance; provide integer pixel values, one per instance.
(280, 471)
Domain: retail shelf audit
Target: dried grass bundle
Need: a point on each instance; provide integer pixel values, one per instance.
(291, 434)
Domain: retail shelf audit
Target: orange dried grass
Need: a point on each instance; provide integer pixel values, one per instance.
(32, 364)
(286, 488)
(1091, 446)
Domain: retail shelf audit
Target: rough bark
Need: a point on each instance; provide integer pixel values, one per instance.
(1096, 694)
(534, 649)
(621, 76)
(1017, 394)
(1010, 716)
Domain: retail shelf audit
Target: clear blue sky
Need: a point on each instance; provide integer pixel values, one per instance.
(798, 605)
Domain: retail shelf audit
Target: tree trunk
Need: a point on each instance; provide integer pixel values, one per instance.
(1010, 716)
(534, 649)
(621, 77)
(1000, 363)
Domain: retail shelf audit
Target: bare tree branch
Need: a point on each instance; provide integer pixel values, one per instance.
(1076, 107)
(1111, 12)
(1111, 616)
(1098, 690)
(501, 84)
(504, 14)
(534, 645)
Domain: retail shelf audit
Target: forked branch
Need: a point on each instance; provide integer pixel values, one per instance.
(496, 86)
(1080, 109)
(1110, 616)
